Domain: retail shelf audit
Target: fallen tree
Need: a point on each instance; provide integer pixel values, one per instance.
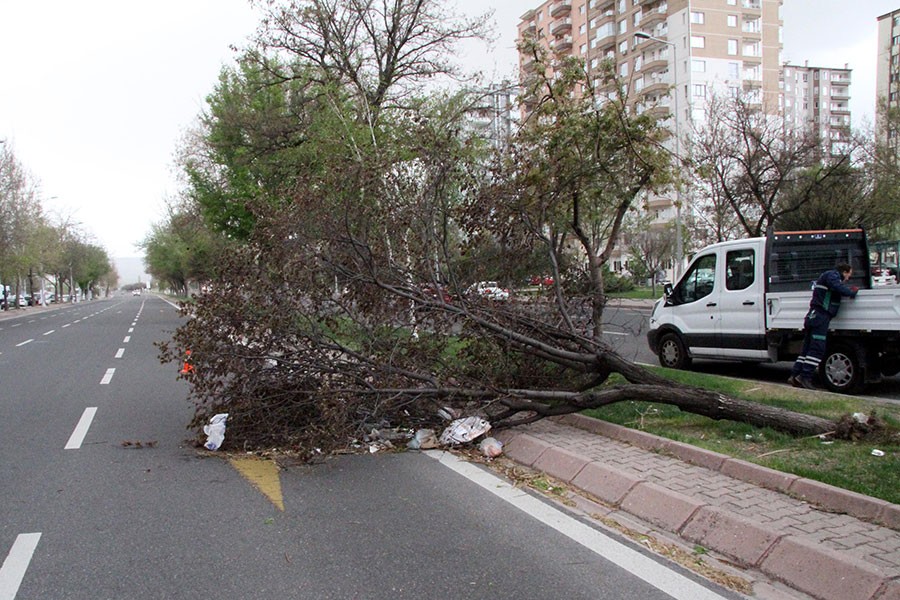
(349, 304)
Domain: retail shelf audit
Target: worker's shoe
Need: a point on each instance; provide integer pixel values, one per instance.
(794, 381)
(806, 382)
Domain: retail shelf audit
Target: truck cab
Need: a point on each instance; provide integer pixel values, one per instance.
(714, 310)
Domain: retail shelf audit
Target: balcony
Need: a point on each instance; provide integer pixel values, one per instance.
(656, 88)
(561, 7)
(649, 19)
(752, 4)
(562, 44)
(840, 93)
(560, 26)
(652, 66)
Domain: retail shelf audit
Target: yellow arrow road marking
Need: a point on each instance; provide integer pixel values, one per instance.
(263, 474)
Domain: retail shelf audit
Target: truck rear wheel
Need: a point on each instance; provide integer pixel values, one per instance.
(841, 371)
(672, 353)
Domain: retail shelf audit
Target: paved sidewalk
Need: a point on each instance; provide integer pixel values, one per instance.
(823, 541)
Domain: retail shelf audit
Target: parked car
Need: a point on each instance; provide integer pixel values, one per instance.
(883, 276)
(437, 292)
(489, 290)
(544, 280)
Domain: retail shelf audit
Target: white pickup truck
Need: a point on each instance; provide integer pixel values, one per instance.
(745, 300)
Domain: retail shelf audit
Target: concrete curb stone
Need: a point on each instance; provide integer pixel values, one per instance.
(735, 537)
(660, 506)
(560, 464)
(821, 572)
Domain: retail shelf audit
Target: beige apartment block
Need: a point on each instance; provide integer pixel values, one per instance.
(887, 71)
(674, 54)
(818, 98)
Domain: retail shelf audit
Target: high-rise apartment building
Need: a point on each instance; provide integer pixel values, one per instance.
(887, 71)
(818, 98)
(675, 54)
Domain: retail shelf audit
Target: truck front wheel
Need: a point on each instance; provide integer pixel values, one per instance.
(672, 353)
(841, 371)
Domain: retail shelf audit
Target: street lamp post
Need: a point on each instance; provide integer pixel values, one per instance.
(679, 244)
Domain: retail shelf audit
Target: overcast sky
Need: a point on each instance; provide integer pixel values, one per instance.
(95, 94)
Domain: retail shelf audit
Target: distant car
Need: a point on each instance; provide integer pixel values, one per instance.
(437, 293)
(489, 290)
(22, 301)
(135, 292)
(883, 276)
(544, 280)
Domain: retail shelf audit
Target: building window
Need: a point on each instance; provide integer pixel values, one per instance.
(697, 18)
(623, 26)
(732, 20)
(734, 70)
(698, 66)
(732, 2)
(698, 41)
(699, 90)
(732, 47)
(623, 69)
(623, 47)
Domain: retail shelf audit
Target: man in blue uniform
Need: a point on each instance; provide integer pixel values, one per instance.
(826, 300)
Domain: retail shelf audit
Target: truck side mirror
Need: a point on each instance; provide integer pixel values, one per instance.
(668, 289)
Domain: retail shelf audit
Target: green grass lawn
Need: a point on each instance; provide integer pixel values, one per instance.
(846, 464)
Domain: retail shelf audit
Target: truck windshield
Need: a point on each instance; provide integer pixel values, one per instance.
(698, 282)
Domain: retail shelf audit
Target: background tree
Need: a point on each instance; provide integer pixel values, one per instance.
(753, 164)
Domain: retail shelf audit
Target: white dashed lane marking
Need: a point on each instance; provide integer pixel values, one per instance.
(13, 570)
(107, 377)
(81, 429)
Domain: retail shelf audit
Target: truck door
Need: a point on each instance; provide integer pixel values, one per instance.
(742, 318)
(695, 308)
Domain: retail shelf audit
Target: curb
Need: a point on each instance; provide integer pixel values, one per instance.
(828, 497)
(795, 561)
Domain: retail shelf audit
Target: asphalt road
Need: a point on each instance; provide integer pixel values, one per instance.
(87, 514)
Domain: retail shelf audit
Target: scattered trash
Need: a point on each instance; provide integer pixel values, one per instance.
(860, 417)
(877, 452)
(423, 440)
(465, 430)
(491, 447)
(747, 436)
(215, 431)
(187, 367)
(380, 445)
(447, 413)
(828, 443)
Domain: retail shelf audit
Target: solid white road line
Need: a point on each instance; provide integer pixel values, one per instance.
(659, 576)
(107, 377)
(81, 429)
(120, 352)
(25, 342)
(13, 570)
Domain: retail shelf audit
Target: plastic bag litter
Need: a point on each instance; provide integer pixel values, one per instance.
(877, 452)
(215, 431)
(491, 447)
(860, 417)
(423, 440)
(465, 430)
